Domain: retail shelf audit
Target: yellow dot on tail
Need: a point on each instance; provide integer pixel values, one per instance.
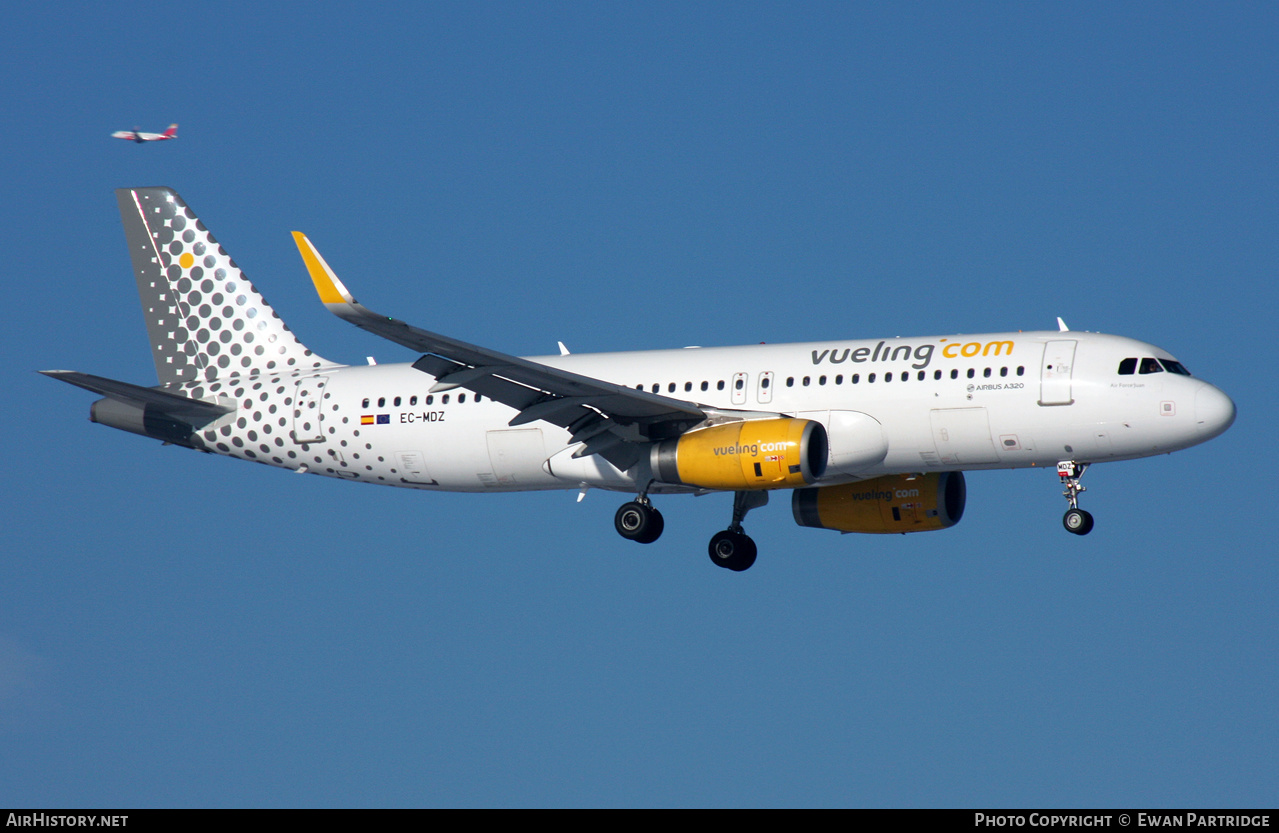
(186, 260)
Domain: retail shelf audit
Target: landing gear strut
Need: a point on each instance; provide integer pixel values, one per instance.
(732, 548)
(1075, 520)
(639, 520)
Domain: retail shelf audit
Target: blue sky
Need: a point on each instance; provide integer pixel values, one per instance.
(180, 630)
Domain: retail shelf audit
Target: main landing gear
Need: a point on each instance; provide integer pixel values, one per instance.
(732, 548)
(1075, 520)
(639, 521)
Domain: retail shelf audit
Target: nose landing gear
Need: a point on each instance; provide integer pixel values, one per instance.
(1076, 520)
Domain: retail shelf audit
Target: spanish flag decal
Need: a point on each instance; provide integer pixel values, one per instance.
(367, 419)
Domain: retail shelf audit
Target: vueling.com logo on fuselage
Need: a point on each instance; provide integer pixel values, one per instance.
(922, 354)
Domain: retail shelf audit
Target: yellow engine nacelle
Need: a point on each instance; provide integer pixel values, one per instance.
(777, 453)
(894, 503)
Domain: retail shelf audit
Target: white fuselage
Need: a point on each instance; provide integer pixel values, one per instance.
(1005, 400)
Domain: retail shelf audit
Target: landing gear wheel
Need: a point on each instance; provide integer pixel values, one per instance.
(655, 526)
(1077, 521)
(640, 522)
(732, 550)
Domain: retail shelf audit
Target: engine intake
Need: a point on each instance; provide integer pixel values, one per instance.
(776, 453)
(894, 503)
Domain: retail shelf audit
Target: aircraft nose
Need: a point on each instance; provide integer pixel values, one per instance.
(1214, 411)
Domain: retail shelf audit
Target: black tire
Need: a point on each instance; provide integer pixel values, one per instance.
(655, 526)
(1077, 521)
(732, 550)
(635, 521)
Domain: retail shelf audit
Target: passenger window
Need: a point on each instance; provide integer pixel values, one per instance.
(870, 377)
(1021, 371)
(839, 380)
(986, 373)
(855, 378)
(1003, 371)
(790, 381)
(954, 373)
(445, 400)
(719, 385)
(688, 386)
(430, 399)
(365, 403)
(766, 382)
(971, 373)
(656, 387)
(461, 397)
(1127, 367)
(412, 400)
(739, 384)
(1150, 366)
(381, 401)
(807, 379)
(922, 376)
(936, 375)
(888, 377)
(396, 402)
(670, 388)
(821, 380)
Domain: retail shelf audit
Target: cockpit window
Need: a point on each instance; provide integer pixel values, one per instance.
(1150, 366)
(1127, 367)
(1174, 367)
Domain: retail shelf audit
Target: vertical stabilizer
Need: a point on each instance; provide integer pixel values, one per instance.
(204, 319)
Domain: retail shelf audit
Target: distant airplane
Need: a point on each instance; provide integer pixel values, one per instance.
(866, 435)
(135, 136)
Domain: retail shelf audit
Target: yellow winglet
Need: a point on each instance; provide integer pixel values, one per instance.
(326, 283)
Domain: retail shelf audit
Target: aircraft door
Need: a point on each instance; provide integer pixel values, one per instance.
(764, 391)
(307, 413)
(739, 388)
(1054, 378)
(516, 456)
(962, 436)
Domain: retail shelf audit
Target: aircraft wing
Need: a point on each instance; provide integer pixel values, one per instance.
(611, 419)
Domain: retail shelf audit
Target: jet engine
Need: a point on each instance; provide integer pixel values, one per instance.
(893, 503)
(775, 453)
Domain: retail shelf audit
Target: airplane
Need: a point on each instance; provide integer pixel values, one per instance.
(135, 136)
(869, 436)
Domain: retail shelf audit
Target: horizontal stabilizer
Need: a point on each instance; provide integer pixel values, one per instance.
(194, 411)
